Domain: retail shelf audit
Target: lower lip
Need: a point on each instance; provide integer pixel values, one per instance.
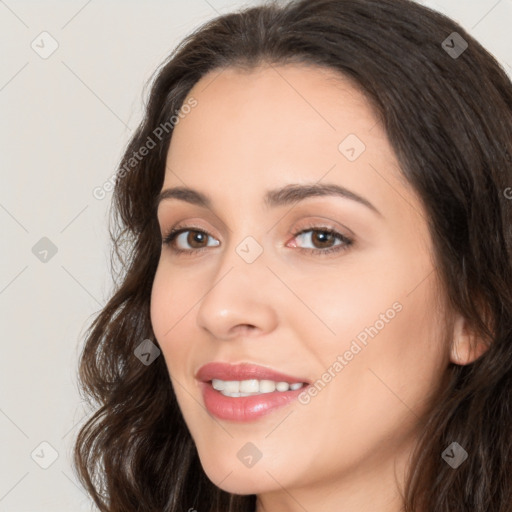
(245, 408)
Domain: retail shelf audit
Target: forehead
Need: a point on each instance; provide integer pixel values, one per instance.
(276, 124)
(325, 102)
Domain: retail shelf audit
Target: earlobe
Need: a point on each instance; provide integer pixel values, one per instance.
(466, 346)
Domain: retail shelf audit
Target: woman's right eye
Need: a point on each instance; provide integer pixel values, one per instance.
(195, 236)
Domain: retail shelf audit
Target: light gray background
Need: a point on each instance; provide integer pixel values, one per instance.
(64, 122)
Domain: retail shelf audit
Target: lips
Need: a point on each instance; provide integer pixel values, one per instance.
(243, 371)
(244, 408)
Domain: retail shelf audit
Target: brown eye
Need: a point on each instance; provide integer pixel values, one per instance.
(323, 238)
(196, 238)
(193, 238)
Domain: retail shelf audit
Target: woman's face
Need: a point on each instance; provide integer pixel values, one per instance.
(355, 314)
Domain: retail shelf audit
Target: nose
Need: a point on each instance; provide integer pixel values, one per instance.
(241, 299)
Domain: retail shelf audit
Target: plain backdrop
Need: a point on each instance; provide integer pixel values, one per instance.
(64, 121)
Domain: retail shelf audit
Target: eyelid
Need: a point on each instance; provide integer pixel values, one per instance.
(187, 224)
(319, 223)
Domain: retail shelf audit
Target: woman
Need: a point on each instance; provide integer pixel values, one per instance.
(315, 311)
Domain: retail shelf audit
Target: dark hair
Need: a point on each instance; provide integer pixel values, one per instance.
(448, 117)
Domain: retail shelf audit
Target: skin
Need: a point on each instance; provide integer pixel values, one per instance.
(296, 312)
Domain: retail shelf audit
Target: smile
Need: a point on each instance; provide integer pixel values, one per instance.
(245, 392)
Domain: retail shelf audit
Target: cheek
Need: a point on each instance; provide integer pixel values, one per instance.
(388, 349)
(340, 305)
(171, 310)
(161, 311)
(374, 398)
(393, 359)
(172, 299)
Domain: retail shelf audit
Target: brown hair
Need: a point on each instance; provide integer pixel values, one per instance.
(449, 120)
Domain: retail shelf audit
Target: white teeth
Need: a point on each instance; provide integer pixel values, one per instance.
(282, 386)
(232, 386)
(249, 386)
(236, 388)
(218, 384)
(267, 386)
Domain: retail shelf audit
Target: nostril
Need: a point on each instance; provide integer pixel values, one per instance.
(245, 329)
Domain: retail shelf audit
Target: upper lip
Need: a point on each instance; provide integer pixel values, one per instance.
(242, 371)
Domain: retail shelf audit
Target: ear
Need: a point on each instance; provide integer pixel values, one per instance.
(466, 346)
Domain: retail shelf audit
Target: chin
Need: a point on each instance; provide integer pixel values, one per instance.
(241, 480)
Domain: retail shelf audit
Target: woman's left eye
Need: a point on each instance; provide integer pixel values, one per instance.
(322, 237)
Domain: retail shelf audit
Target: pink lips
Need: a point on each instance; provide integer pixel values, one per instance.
(243, 371)
(246, 408)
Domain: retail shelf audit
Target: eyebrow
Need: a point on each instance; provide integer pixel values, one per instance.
(273, 198)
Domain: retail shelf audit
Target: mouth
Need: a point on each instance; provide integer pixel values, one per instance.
(245, 392)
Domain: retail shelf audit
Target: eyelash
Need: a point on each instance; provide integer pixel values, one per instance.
(169, 238)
